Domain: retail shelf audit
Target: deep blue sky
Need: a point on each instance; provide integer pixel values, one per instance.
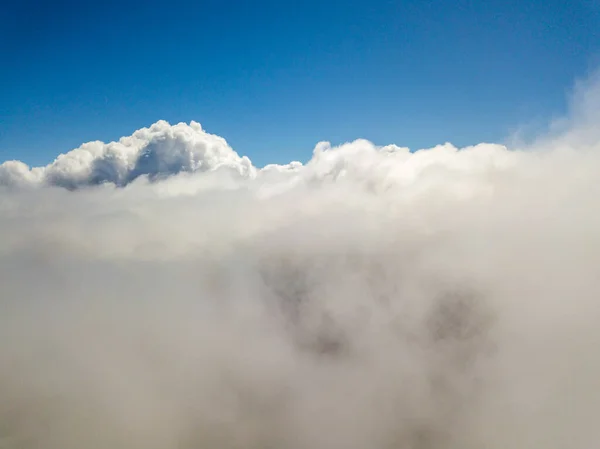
(275, 77)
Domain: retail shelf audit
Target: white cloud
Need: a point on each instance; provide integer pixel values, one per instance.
(158, 151)
(374, 297)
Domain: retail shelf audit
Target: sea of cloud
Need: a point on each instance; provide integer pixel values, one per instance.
(162, 292)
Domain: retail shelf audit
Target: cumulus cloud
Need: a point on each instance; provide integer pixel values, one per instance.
(374, 297)
(155, 152)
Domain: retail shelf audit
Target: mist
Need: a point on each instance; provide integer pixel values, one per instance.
(162, 292)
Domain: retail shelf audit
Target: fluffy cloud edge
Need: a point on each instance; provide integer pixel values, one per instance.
(162, 151)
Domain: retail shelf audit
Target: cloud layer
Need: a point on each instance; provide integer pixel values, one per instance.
(161, 292)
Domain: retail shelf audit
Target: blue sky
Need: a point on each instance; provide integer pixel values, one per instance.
(275, 77)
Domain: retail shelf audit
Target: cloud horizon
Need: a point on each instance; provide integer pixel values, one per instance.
(162, 292)
(163, 150)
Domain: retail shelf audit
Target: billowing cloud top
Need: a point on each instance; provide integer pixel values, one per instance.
(158, 151)
(163, 150)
